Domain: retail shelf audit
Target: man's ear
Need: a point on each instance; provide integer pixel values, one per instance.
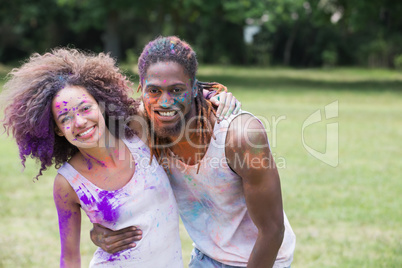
(195, 91)
(139, 88)
(58, 132)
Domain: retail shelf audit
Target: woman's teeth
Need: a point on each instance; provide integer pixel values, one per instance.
(86, 132)
(172, 113)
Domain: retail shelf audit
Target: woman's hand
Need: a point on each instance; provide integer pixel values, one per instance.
(227, 105)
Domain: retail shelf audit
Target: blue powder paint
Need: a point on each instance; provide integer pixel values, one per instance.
(110, 213)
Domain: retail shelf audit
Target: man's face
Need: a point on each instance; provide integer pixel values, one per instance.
(167, 96)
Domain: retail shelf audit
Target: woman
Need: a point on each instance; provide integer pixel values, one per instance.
(72, 109)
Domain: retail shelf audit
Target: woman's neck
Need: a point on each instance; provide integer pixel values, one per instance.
(104, 156)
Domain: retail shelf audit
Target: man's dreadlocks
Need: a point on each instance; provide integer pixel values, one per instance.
(172, 49)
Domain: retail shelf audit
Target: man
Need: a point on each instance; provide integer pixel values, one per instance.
(221, 171)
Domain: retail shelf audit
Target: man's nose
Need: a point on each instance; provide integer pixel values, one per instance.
(165, 101)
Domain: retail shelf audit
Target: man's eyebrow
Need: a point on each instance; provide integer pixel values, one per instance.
(158, 86)
(178, 84)
(150, 85)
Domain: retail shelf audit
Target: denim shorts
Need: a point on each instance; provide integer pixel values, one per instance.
(200, 260)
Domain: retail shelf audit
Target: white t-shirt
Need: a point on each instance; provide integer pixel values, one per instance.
(213, 208)
(146, 201)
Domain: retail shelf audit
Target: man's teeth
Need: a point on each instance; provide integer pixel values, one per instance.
(86, 132)
(172, 113)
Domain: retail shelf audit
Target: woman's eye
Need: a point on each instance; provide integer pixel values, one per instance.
(65, 119)
(86, 108)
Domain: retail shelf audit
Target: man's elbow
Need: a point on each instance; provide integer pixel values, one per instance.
(276, 232)
(281, 233)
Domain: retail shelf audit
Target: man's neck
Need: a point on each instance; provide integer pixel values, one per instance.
(191, 148)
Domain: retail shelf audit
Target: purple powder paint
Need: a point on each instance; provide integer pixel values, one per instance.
(64, 230)
(84, 198)
(101, 163)
(110, 213)
(89, 164)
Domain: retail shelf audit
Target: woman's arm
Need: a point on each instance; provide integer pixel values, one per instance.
(224, 100)
(68, 210)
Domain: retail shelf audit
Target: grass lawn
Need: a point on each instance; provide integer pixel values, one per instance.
(343, 216)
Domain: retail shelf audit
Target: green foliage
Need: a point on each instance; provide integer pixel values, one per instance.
(398, 61)
(329, 58)
(293, 32)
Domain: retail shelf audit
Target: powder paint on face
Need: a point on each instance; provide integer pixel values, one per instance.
(109, 212)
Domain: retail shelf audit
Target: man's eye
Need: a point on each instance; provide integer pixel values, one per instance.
(177, 90)
(153, 90)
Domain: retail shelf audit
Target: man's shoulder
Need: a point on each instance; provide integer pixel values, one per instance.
(246, 132)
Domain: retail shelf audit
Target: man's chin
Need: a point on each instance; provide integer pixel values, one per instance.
(171, 132)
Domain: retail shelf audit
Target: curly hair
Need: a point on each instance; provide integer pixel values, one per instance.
(30, 89)
(172, 49)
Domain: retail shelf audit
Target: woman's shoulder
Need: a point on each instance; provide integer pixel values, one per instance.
(75, 161)
(63, 190)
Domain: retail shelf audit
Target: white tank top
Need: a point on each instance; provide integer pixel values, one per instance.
(213, 207)
(146, 201)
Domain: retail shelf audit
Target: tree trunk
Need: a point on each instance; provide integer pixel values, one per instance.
(289, 45)
(111, 38)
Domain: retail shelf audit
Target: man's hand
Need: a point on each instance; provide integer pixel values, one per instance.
(115, 241)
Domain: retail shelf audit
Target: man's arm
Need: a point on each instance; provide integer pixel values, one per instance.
(69, 214)
(115, 241)
(247, 140)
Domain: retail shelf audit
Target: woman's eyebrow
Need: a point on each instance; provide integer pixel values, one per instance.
(66, 112)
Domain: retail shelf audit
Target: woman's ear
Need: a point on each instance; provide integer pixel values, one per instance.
(58, 132)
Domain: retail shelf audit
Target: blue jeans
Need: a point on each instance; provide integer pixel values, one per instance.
(200, 260)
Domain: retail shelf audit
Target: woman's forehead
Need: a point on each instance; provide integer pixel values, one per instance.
(71, 96)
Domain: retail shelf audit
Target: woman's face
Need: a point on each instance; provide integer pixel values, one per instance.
(78, 117)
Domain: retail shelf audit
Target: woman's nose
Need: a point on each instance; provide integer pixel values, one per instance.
(80, 121)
